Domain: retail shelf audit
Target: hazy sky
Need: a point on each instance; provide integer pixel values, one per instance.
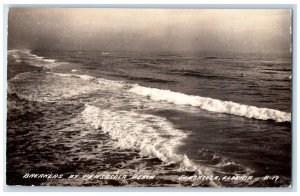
(242, 30)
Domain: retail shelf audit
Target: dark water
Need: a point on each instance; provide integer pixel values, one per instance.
(79, 115)
(252, 79)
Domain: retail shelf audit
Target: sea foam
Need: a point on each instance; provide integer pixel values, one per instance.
(32, 59)
(152, 136)
(212, 105)
(205, 103)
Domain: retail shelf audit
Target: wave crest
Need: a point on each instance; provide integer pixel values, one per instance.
(212, 105)
(153, 136)
(32, 59)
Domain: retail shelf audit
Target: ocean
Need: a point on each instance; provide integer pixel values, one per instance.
(148, 119)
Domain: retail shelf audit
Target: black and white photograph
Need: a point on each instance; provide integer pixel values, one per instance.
(149, 97)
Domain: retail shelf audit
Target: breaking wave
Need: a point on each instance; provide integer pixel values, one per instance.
(212, 105)
(32, 59)
(206, 103)
(152, 136)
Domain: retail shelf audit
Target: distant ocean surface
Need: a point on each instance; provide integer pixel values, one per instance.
(162, 114)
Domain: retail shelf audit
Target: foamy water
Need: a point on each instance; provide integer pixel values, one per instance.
(213, 105)
(146, 122)
(32, 59)
(151, 135)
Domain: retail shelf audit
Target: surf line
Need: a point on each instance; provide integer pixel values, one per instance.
(212, 105)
